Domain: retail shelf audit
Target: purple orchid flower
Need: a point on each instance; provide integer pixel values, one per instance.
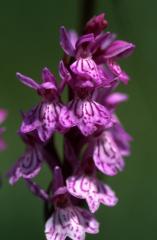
(29, 164)
(85, 185)
(94, 140)
(45, 117)
(86, 114)
(106, 154)
(68, 220)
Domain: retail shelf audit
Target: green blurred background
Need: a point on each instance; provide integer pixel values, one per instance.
(28, 42)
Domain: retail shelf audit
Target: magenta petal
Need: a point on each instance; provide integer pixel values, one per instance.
(66, 41)
(28, 166)
(87, 68)
(122, 139)
(86, 115)
(107, 156)
(47, 76)
(63, 72)
(115, 99)
(88, 38)
(116, 69)
(30, 163)
(14, 174)
(67, 116)
(47, 86)
(119, 49)
(94, 115)
(49, 114)
(31, 120)
(92, 190)
(72, 222)
(73, 37)
(27, 81)
(102, 41)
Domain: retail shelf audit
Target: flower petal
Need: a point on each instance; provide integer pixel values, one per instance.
(119, 49)
(86, 115)
(66, 42)
(28, 166)
(87, 68)
(87, 38)
(30, 163)
(116, 69)
(92, 190)
(72, 222)
(27, 81)
(31, 120)
(49, 114)
(107, 156)
(47, 76)
(115, 99)
(122, 139)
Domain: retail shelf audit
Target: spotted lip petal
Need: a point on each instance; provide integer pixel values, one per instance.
(28, 166)
(49, 120)
(44, 119)
(72, 222)
(107, 155)
(87, 68)
(122, 139)
(86, 115)
(92, 190)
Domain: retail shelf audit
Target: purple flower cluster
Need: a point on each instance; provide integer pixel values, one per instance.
(94, 139)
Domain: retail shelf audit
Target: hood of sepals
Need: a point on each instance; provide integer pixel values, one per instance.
(47, 92)
(83, 46)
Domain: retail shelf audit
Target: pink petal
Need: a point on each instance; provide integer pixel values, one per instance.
(66, 41)
(87, 68)
(107, 156)
(92, 190)
(31, 120)
(86, 115)
(119, 49)
(27, 81)
(49, 114)
(72, 222)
